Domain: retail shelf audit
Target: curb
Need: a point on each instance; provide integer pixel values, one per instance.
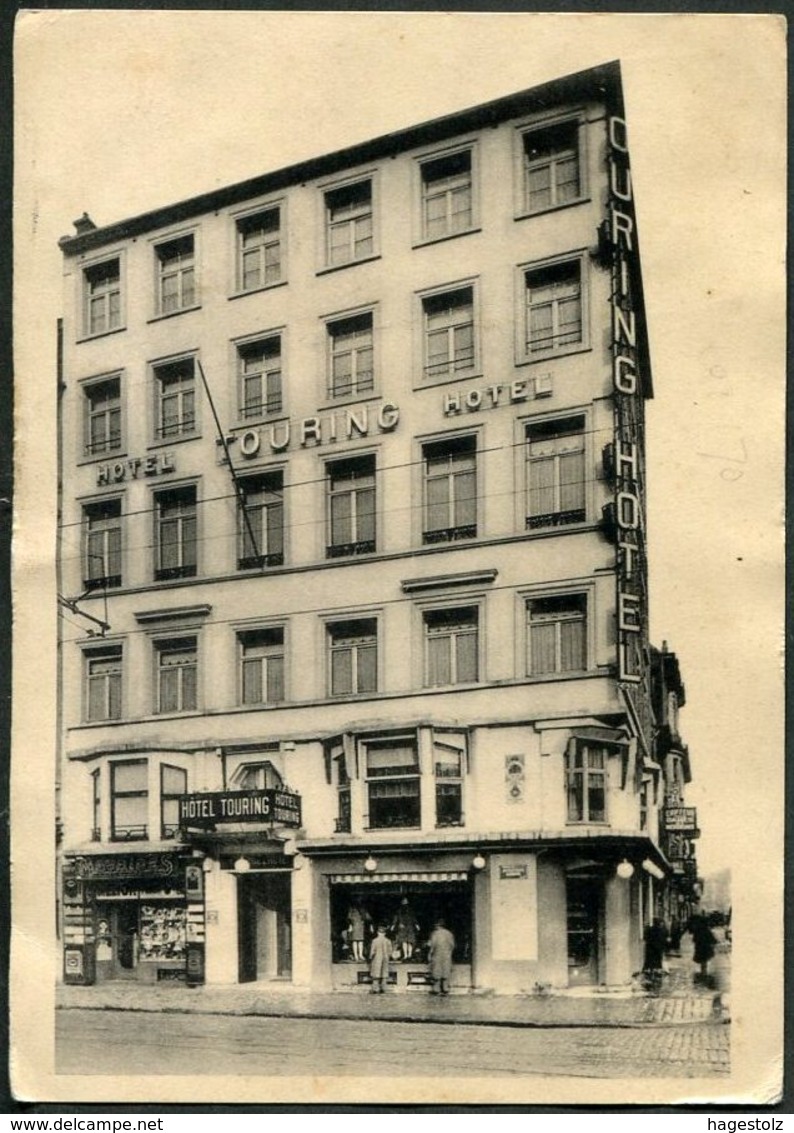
(406, 1017)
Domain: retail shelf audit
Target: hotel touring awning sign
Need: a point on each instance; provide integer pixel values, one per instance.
(272, 806)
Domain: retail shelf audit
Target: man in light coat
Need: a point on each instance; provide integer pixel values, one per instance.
(441, 947)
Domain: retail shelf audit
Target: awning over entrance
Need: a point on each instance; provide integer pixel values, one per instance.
(413, 878)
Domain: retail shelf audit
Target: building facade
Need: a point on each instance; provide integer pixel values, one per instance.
(352, 549)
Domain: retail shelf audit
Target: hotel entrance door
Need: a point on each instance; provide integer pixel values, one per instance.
(264, 906)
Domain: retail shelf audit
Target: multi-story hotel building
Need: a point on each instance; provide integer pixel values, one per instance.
(352, 547)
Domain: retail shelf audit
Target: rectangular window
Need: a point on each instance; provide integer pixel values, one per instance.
(644, 806)
(262, 665)
(175, 393)
(353, 647)
(102, 544)
(351, 507)
(102, 297)
(351, 360)
(551, 166)
(557, 634)
(102, 417)
(447, 206)
(261, 528)
(176, 275)
(342, 823)
(96, 805)
(129, 800)
(103, 681)
(448, 333)
(448, 767)
(586, 780)
(173, 784)
(258, 777)
(555, 472)
(451, 646)
(349, 223)
(260, 377)
(259, 249)
(177, 674)
(175, 533)
(450, 490)
(393, 784)
(553, 307)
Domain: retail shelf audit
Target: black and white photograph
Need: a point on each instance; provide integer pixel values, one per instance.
(399, 422)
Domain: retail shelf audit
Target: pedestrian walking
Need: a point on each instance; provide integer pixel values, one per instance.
(379, 956)
(655, 945)
(405, 927)
(704, 941)
(441, 947)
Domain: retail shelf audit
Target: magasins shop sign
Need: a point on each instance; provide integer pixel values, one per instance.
(282, 808)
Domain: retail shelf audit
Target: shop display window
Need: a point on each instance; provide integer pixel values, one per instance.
(163, 931)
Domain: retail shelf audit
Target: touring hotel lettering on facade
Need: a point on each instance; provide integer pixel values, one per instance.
(353, 545)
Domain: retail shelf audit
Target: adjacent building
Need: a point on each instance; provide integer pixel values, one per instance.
(352, 551)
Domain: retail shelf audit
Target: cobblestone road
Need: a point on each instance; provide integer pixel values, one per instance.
(138, 1043)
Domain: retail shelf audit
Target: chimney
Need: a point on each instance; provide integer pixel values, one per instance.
(84, 224)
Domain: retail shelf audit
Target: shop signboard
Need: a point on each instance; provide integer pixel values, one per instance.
(123, 867)
(273, 806)
(682, 819)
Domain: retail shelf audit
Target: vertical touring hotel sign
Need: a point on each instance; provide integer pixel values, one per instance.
(628, 450)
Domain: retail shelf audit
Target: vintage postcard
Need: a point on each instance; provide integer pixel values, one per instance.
(398, 558)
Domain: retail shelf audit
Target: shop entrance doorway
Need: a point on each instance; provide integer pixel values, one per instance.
(584, 915)
(124, 943)
(264, 907)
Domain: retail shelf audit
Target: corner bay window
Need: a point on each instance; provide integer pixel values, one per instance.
(173, 784)
(448, 769)
(102, 417)
(555, 472)
(177, 672)
(259, 249)
(586, 782)
(451, 643)
(261, 529)
(102, 544)
(351, 507)
(450, 496)
(392, 769)
(103, 683)
(353, 648)
(262, 665)
(551, 166)
(175, 533)
(557, 634)
(129, 800)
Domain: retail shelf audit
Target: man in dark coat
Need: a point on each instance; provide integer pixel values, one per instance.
(704, 941)
(655, 944)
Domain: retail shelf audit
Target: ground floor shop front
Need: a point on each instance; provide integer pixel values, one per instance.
(524, 919)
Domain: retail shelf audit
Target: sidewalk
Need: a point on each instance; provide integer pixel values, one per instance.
(679, 1003)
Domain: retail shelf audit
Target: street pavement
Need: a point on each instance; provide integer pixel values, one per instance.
(138, 1043)
(679, 1002)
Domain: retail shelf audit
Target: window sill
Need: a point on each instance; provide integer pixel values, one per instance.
(426, 240)
(348, 264)
(173, 314)
(460, 376)
(389, 829)
(348, 399)
(271, 417)
(256, 290)
(527, 214)
(110, 457)
(547, 355)
(99, 334)
(178, 439)
(583, 822)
